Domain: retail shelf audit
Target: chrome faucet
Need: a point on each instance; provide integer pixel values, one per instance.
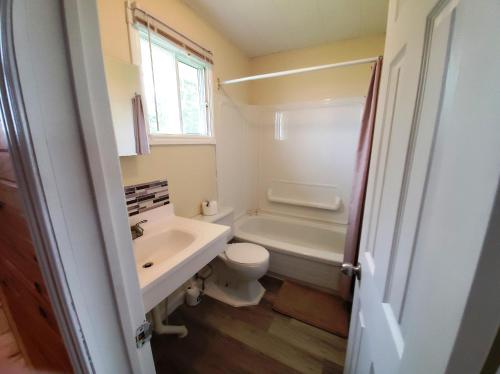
(136, 230)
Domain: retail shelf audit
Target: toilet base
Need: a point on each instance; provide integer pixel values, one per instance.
(243, 294)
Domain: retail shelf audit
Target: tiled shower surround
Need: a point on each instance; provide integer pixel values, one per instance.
(146, 196)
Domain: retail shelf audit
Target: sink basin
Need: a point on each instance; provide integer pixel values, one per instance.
(161, 246)
(172, 250)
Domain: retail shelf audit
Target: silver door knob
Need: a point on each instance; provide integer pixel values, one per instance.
(350, 270)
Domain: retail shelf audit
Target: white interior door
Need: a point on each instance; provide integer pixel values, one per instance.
(432, 182)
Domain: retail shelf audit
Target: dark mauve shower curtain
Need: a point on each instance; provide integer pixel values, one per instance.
(358, 192)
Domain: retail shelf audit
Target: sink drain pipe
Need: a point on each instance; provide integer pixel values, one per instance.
(161, 325)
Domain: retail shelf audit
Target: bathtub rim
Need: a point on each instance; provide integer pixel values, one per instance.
(331, 258)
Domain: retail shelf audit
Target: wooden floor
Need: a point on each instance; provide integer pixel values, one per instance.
(223, 339)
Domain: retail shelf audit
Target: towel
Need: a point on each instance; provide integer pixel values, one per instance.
(140, 131)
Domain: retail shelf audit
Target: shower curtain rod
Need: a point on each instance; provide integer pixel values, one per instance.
(298, 71)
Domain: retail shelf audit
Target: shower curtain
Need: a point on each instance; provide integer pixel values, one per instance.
(360, 179)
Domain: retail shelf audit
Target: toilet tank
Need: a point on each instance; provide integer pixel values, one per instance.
(224, 217)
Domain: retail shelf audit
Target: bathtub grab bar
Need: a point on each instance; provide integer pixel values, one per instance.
(282, 200)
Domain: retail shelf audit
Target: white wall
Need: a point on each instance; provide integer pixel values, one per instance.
(237, 155)
(190, 169)
(350, 81)
(317, 152)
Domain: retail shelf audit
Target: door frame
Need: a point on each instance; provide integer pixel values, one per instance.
(92, 99)
(65, 267)
(82, 29)
(23, 159)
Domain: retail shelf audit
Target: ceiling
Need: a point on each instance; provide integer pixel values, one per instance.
(261, 27)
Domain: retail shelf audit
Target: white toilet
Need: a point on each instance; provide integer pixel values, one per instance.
(236, 270)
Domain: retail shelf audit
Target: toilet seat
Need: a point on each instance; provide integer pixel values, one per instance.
(247, 253)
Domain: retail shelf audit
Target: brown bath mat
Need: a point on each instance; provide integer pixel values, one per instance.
(313, 307)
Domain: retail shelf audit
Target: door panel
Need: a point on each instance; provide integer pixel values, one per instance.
(360, 361)
(417, 162)
(419, 79)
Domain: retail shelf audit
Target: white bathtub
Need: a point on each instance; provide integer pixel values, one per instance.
(307, 251)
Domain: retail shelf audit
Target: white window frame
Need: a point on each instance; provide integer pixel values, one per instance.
(175, 139)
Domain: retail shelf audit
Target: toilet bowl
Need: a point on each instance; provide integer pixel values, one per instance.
(236, 274)
(248, 261)
(236, 269)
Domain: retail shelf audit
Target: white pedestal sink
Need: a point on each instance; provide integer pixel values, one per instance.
(172, 250)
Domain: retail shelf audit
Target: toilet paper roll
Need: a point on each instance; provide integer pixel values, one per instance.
(193, 296)
(209, 208)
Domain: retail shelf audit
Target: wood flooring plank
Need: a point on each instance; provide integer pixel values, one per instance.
(262, 341)
(312, 344)
(257, 316)
(256, 339)
(206, 351)
(335, 341)
(271, 284)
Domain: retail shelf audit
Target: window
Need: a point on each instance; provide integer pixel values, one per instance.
(176, 91)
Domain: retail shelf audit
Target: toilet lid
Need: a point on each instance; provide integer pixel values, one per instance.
(247, 253)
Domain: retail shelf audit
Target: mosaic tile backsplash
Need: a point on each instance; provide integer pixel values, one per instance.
(146, 196)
